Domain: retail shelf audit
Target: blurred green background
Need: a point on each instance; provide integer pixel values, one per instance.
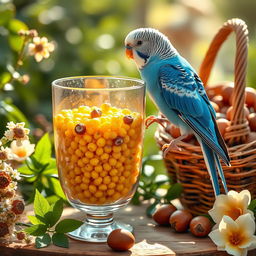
(89, 36)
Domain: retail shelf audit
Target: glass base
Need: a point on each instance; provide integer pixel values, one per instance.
(96, 233)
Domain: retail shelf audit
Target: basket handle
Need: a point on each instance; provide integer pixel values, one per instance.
(239, 129)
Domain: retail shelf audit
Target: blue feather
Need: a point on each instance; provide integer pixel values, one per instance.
(179, 94)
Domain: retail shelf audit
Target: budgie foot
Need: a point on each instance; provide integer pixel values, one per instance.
(153, 119)
(172, 145)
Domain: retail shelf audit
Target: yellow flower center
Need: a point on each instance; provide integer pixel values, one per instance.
(235, 238)
(21, 153)
(234, 213)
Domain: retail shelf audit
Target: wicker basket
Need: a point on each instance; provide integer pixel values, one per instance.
(187, 166)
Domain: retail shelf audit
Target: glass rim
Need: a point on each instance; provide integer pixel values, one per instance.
(140, 83)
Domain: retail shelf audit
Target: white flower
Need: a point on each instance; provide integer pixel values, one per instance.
(5, 154)
(22, 151)
(12, 172)
(233, 204)
(235, 236)
(16, 132)
(40, 48)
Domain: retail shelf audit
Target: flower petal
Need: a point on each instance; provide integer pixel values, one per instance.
(234, 250)
(247, 224)
(217, 238)
(250, 243)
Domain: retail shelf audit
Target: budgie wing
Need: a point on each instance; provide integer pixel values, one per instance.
(184, 93)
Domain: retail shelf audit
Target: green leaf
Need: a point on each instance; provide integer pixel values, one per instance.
(7, 11)
(174, 191)
(252, 205)
(5, 77)
(25, 170)
(68, 225)
(55, 186)
(41, 206)
(43, 241)
(15, 26)
(55, 212)
(43, 150)
(151, 209)
(36, 230)
(34, 220)
(13, 113)
(60, 240)
(15, 42)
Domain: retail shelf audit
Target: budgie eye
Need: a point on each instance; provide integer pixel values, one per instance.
(139, 42)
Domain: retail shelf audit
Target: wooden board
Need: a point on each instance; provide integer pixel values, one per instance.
(150, 240)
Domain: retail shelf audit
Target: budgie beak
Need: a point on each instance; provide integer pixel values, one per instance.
(128, 51)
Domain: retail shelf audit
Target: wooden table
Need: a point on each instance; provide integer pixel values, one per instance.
(150, 240)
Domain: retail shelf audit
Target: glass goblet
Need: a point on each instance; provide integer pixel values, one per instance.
(98, 133)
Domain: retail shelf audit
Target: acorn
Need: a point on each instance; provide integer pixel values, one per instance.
(230, 112)
(120, 240)
(222, 125)
(252, 121)
(163, 213)
(218, 99)
(226, 93)
(250, 96)
(200, 226)
(180, 220)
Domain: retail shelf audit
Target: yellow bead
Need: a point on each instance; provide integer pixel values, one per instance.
(78, 179)
(99, 151)
(98, 181)
(106, 180)
(111, 185)
(126, 139)
(89, 154)
(80, 163)
(115, 179)
(92, 188)
(93, 200)
(96, 135)
(126, 174)
(88, 167)
(112, 161)
(103, 173)
(121, 179)
(113, 172)
(113, 135)
(77, 171)
(82, 142)
(98, 168)
(101, 142)
(108, 149)
(85, 160)
(74, 158)
(107, 167)
(110, 192)
(103, 187)
(87, 193)
(86, 180)
(116, 196)
(116, 155)
(98, 194)
(119, 187)
(73, 145)
(84, 186)
(92, 147)
(117, 149)
(72, 174)
(87, 138)
(107, 134)
(94, 175)
(94, 161)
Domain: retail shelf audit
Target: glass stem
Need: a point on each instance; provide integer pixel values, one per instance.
(99, 220)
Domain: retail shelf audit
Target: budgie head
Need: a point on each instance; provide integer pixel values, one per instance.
(144, 43)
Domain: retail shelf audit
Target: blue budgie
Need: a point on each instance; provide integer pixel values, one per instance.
(178, 92)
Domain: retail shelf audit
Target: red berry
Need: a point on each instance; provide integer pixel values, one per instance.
(118, 141)
(80, 129)
(4, 230)
(128, 119)
(96, 113)
(5, 180)
(18, 206)
(21, 236)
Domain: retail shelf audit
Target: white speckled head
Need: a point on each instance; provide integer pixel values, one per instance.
(143, 43)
